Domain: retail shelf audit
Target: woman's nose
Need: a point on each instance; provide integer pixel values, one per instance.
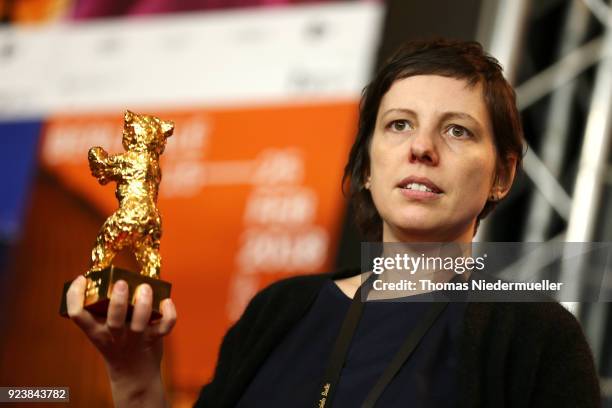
(422, 148)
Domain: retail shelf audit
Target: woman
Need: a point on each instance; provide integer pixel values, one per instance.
(438, 146)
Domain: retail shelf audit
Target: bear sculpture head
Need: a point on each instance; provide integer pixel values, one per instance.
(144, 133)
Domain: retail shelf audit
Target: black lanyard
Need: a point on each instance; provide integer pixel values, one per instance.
(341, 347)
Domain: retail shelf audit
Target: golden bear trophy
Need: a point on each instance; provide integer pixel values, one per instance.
(136, 225)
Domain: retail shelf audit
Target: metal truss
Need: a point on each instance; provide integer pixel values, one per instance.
(582, 209)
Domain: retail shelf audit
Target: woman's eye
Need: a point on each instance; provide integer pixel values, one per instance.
(458, 131)
(399, 125)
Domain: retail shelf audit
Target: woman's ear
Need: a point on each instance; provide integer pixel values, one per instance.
(504, 178)
(366, 179)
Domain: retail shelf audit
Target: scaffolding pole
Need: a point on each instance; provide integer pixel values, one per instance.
(555, 138)
(588, 189)
(501, 29)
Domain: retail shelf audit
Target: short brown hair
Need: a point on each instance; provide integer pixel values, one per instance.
(456, 59)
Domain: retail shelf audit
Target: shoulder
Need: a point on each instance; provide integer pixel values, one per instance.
(534, 327)
(296, 290)
(251, 338)
(556, 326)
(543, 316)
(305, 282)
(545, 343)
(553, 337)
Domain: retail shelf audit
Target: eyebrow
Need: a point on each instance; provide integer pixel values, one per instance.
(400, 110)
(445, 115)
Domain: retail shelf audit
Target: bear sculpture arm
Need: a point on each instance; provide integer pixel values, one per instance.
(104, 167)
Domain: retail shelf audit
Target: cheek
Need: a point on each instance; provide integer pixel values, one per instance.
(377, 172)
(379, 160)
(475, 179)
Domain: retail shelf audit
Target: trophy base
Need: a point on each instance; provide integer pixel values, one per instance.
(100, 287)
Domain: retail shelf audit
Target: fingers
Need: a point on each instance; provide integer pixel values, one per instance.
(74, 303)
(142, 308)
(118, 307)
(168, 320)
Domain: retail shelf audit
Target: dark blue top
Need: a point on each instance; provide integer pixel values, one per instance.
(291, 375)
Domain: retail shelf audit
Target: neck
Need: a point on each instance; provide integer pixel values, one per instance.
(461, 235)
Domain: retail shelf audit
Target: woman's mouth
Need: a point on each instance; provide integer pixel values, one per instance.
(419, 188)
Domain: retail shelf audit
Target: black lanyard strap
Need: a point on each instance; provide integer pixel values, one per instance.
(343, 342)
(340, 350)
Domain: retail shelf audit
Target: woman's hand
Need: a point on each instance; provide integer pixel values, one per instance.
(132, 351)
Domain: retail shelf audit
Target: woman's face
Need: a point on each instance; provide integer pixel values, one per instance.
(435, 132)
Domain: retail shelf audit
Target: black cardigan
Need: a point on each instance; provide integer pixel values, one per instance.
(512, 354)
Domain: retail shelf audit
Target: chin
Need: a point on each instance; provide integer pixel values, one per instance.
(416, 228)
(415, 220)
